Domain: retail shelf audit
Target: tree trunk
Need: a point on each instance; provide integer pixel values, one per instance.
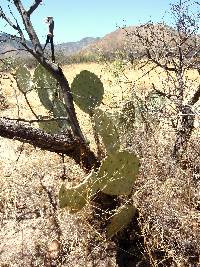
(184, 132)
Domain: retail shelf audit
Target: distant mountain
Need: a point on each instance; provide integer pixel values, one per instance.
(7, 43)
(73, 47)
(124, 39)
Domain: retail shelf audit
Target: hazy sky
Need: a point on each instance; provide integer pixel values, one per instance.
(75, 19)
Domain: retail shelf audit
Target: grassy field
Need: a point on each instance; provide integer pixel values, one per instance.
(167, 197)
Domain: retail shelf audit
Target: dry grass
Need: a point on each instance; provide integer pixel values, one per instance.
(166, 195)
(168, 200)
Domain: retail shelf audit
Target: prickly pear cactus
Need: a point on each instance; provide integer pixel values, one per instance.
(59, 110)
(55, 126)
(155, 102)
(75, 198)
(50, 127)
(151, 109)
(105, 127)
(120, 220)
(47, 90)
(87, 91)
(116, 176)
(118, 173)
(127, 116)
(23, 77)
(45, 85)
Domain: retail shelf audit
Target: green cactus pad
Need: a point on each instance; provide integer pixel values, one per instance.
(23, 77)
(105, 127)
(155, 102)
(59, 110)
(127, 115)
(120, 220)
(50, 127)
(118, 173)
(45, 85)
(75, 198)
(87, 91)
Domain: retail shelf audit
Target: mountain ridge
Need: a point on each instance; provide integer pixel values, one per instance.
(9, 43)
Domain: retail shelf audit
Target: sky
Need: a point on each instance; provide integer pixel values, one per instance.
(76, 19)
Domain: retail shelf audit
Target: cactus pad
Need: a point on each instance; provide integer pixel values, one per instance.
(127, 115)
(118, 173)
(120, 220)
(59, 110)
(75, 198)
(23, 77)
(50, 127)
(45, 85)
(105, 127)
(87, 91)
(155, 102)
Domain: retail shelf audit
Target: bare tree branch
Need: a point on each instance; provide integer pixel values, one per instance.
(87, 157)
(163, 66)
(44, 119)
(12, 50)
(195, 97)
(55, 70)
(28, 26)
(3, 16)
(33, 7)
(58, 143)
(160, 92)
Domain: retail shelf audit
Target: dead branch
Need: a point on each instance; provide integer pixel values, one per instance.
(195, 97)
(33, 7)
(58, 143)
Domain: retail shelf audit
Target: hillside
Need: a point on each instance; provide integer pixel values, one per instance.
(124, 41)
(69, 48)
(7, 43)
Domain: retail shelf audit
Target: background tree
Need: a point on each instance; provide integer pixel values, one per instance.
(175, 51)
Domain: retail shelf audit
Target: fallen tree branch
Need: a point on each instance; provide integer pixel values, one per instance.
(58, 143)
